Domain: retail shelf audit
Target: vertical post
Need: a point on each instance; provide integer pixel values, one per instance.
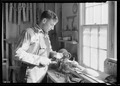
(3, 31)
(110, 29)
(13, 63)
(7, 47)
(81, 22)
(3, 40)
(115, 36)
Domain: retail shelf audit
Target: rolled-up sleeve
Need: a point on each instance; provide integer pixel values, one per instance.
(22, 53)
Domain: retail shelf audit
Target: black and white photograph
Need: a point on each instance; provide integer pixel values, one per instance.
(59, 42)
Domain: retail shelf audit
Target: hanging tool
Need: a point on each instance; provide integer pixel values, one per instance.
(10, 12)
(34, 5)
(24, 13)
(19, 17)
(19, 13)
(15, 12)
(27, 12)
(31, 20)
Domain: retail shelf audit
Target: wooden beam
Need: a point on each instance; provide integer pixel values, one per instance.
(110, 29)
(3, 30)
(115, 36)
(7, 36)
(80, 23)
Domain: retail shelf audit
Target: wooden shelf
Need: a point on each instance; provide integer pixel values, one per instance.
(71, 42)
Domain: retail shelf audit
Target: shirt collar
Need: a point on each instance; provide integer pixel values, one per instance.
(41, 30)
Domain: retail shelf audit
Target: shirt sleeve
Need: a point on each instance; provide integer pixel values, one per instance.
(23, 47)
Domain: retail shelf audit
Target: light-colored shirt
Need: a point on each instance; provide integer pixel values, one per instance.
(34, 46)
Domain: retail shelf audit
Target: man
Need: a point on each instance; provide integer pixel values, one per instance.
(34, 47)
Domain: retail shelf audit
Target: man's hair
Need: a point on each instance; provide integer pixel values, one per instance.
(48, 15)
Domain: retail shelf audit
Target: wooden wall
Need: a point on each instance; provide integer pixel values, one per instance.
(70, 24)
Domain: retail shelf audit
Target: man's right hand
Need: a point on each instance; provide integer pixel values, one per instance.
(45, 61)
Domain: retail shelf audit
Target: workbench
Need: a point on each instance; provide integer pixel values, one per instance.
(54, 76)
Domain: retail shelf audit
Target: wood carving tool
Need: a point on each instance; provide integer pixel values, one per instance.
(19, 13)
(19, 17)
(10, 12)
(27, 12)
(23, 10)
(15, 9)
(34, 4)
(31, 20)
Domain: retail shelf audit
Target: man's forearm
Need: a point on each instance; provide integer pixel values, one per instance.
(28, 57)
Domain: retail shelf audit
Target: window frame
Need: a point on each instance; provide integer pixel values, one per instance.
(98, 26)
(111, 4)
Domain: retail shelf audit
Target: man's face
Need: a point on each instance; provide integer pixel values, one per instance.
(48, 25)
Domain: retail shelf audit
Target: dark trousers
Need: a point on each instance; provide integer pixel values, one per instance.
(44, 79)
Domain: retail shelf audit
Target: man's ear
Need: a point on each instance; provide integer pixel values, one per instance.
(44, 20)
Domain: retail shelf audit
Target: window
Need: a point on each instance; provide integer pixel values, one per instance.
(96, 13)
(94, 35)
(95, 46)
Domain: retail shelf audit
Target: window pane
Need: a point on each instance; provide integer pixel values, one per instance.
(103, 38)
(97, 14)
(86, 56)
(86, 37)
(104, 13)
(94, 57)
(102, 57)
(89, 15)
(94, 37)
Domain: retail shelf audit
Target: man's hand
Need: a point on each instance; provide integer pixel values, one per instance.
(45, 61)
(59, 55)
(56, 55)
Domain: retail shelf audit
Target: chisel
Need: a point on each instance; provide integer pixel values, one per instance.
(31, 13)
(10, 12)
(15, 13)
(27, 12)
(23, 10)
(19, 17)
